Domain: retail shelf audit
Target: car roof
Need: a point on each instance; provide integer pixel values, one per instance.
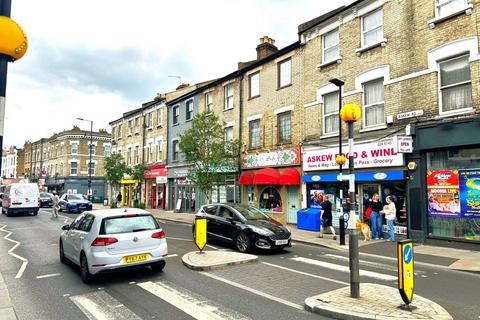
(105, 213)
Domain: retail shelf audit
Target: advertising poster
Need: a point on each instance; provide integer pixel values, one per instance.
(443, 193)
(470, 193)
(316, 198)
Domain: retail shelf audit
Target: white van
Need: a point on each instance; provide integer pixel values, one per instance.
(21, 198)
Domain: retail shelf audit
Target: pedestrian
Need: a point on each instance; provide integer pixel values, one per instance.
(326, 217)
(376, 217)
(390, 212)
(55, 205)
(119, 199)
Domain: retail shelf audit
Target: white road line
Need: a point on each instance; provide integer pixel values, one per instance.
(195, 306)
(10, 252)
(305, 274)
(49, 275)
(215, 248)
(341, 268)
(172, 255)
(370, 263)
(24, 228)
(180, 239)
(254, 291)
(102, 306)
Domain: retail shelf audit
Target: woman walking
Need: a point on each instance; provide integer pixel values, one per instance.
(376, 217)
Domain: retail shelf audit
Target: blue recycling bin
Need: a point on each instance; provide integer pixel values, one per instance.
(308, 219)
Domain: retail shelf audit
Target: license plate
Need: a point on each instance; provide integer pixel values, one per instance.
(135, 258)
(280, 242)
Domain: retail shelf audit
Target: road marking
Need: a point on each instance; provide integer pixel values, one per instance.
(210, 246)
(306, 274)
(195, 306)
(254, 291)
(10, 252)
(341, 268)
(369, 263)
(49, 275)
(24, 228)
(102, 306)
(180, 239)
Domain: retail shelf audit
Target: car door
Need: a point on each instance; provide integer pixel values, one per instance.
(62, 202)
(81, 233)
(210, 213)
(225, 223)
(69, 239)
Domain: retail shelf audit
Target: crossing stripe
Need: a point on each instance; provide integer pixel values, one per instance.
(341, 268)
(100, 305)
(376, 265)
(305, 274)
(195, 306)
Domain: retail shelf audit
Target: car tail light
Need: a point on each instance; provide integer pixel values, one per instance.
(98, 242)
(159, 235)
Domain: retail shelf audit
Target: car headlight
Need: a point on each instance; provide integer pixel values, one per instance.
(288, 229)
(262, 231)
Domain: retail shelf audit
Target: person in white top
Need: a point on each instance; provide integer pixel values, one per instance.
(390, 212)
(55, 205)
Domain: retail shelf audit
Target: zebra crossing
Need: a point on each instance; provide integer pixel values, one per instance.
(100, 305)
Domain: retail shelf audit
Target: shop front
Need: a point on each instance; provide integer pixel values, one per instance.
(182, 193)
(270, 181)
(379, 168)
(155, 187)
(444, 185)
(128, 192)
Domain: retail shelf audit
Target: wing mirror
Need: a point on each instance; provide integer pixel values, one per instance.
(66, 227)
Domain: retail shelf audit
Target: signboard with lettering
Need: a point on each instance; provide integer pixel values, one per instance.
(443, 193)
(403, 144)
(410, 114)
(366, 155)
(470, 193)
(277, 158)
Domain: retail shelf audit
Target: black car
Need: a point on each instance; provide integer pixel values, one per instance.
(244, 226)
(46, 199)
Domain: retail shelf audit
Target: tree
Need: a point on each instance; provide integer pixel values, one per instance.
(210, 156)
(115, 168)
(138, 173)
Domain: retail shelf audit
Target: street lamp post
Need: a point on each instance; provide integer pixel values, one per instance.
(89, 192)
(339, 83)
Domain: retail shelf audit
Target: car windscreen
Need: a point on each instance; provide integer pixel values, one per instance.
(251, 213)
(74, 197)
(126, 224)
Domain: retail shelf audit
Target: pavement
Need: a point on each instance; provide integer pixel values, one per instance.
(376, 301)
(6, 308)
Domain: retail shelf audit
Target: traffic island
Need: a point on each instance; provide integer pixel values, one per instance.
(210, 260)
(376, 302)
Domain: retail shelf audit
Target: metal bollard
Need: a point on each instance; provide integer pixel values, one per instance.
(342, 230)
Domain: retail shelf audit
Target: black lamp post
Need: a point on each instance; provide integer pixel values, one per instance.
(339, 83)
(89, 192)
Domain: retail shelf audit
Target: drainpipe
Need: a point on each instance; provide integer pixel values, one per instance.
(240, 133)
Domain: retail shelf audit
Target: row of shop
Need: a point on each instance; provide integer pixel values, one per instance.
(436, 184)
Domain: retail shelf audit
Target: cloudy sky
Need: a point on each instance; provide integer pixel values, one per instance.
(96, 59)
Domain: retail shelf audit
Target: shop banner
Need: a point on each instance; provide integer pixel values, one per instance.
(366, 155)
(443, 193)
(470, 193)
(277, 158)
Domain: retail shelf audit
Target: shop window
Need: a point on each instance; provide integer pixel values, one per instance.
(270, 200)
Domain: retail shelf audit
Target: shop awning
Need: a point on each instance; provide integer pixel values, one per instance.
(267, 176)
(155, 171)
(290, 177)
(246, 178)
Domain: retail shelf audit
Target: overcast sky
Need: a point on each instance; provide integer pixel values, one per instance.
(96, 59)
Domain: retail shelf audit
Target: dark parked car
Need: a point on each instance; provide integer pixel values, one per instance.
(246, 227)
(74, 203)
(46, 199)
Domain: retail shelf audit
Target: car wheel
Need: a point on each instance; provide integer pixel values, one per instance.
(242, 242)
(87, 277)
(8, 213)
(35, 213)
(158, 267)
(61, 253)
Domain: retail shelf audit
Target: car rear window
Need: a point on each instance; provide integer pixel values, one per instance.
(126, 224)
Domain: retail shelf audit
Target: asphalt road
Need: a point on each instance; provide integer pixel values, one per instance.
(273, 288)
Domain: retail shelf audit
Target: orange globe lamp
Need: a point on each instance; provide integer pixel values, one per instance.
(340, 159)
(350, 112)
(13, 42)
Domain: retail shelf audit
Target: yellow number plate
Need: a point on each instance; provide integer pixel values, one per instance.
(136, 258)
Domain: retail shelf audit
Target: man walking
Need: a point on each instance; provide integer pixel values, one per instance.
(55, 204)
(326, 217)
(119, 199)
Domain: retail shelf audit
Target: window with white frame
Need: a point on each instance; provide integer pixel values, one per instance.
(446, 7)
(372, 28)
(130, 127)
(331, 45)
(284, 126)
(159, 117)
(107, 150)
(455, 84)
(73, 168)
(137, 155)
(175, 151)
(119, 131)
(254, 133)
(93, 149)
(137, 125)
(254, 84)
(208, 101)
(129, 156)
(114, 130)
(228, 96)
(150, 120)
(189, 110)
(74, 148)
(330, 113)
(373, 103)
(228, 134)
(176, 114)
(91, 168)
(150, 152)
(159, 151)
(285, 73)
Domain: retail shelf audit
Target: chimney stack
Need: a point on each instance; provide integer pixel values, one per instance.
(266, 47)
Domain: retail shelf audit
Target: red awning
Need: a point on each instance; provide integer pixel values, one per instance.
(155, 171)
(267, 176)
(290, 177)
(246, 178)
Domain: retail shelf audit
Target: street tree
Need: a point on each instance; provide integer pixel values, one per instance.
(205, 148)
(137, 172)
(115, 168)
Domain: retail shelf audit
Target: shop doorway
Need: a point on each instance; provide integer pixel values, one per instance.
(292, 202)
(185, 198)
(366, 194)
(153, 196)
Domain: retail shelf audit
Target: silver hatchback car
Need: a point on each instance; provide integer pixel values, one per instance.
(106, 240)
